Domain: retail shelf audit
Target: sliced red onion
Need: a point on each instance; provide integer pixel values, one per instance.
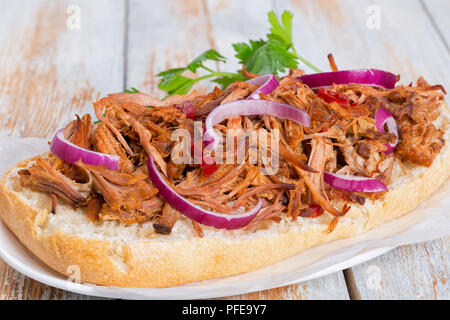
(249, 108)
(194, 212)
(370, 77)
(267, 83)
(354, 183)
(383, 117)
(69, 152)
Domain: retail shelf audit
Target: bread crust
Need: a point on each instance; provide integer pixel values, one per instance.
(150, 263)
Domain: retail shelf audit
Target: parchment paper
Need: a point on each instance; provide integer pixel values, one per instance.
(431, 220)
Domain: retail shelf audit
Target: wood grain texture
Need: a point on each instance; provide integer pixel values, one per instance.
(162, 35)
(49, 72)
(406, 43)
(418, 271)
(438, 12)
(331, 287)
(16, 286)
(238, 21)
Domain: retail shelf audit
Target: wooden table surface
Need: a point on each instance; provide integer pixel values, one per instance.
(56, 56)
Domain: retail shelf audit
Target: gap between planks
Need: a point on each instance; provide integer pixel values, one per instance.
(126, 23)
(350, 282)
(434, 24)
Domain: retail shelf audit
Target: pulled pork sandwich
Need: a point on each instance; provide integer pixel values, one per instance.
(134, 199)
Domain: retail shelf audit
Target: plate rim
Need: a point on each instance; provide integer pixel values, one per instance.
(161, 293)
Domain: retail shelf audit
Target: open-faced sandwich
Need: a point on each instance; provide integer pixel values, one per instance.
(114, 199)
(158, 193)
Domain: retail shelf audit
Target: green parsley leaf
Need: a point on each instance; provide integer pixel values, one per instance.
(281, 32)
(272, 55)
(225, 81)
(183, 86)
(133, 90)
(207, 55)
(173, 82)
(245, 51)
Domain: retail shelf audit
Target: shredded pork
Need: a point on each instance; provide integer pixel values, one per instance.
(339, 140)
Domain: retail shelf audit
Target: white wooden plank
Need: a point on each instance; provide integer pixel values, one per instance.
(239, 21)
(330, 20)
(407, 44)
(162, 35)
(16, 286)
(51, 69)
(331, 287)
(174, 45)
(419, 271)
(439, 11)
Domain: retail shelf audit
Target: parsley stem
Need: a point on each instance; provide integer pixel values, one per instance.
(224, 74)
(215, 74)
(203, 77)
(207, 69)
(309, 64)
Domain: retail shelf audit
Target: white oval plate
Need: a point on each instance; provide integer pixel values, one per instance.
(429, 221)
(280, 274)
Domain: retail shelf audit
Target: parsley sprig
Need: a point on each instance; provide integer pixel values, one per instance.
(173, 82)
(132, 90)
(273, 55)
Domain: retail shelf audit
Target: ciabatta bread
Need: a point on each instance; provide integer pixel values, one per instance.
(113, 254)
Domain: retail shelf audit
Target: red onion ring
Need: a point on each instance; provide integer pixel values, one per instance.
(69, 152)
(370, 77)
(267, 83)
(249, 108)
(382, 117)
(194, 212)
(354, 183)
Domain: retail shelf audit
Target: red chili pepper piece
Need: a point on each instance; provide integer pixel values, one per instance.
(197, 152)
(313, 211)
(189, 110)
(333, 96)
(209, 165)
